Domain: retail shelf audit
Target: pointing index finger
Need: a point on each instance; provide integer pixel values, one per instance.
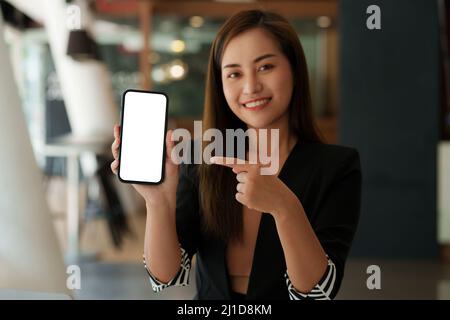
(228, 161)
(238, 165)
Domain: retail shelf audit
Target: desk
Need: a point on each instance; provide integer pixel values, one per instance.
(72, 148)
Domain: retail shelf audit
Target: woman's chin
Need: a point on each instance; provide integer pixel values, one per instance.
(258, 124)
(258, 121)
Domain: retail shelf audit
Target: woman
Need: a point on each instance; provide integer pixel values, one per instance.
(281, 236)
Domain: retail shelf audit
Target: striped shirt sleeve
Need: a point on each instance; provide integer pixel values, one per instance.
(322, 290)
(180, 279)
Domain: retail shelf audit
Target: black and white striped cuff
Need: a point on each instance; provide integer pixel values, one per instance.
(322, 290)
(181, 278)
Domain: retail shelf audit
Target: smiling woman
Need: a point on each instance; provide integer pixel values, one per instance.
(280, 236)
(264, 83)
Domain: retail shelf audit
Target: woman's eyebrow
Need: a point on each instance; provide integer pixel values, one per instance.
(264, 56)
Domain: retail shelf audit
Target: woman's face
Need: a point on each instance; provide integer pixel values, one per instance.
(257, 79)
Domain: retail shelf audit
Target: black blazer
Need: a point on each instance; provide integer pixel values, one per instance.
(327, 181)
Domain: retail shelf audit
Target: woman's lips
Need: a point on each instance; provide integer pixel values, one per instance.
(257, 104)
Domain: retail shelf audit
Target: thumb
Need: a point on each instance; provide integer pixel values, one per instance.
(169, 142)
(169, 146)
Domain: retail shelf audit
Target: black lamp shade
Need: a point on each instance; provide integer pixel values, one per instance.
(81, 46)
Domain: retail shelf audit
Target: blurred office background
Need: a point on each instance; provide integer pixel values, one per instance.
(383, 91)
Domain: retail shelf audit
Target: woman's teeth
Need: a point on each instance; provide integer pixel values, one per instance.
(257, 103)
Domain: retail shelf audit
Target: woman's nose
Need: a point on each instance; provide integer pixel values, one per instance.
(252, 85)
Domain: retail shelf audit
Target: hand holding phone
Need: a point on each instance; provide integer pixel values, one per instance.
(156, 177)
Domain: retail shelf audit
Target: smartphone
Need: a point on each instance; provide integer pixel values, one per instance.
(142, 150)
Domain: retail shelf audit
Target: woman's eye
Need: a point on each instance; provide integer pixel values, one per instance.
(266, 67)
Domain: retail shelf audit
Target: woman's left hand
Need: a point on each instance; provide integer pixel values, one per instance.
(265, 193)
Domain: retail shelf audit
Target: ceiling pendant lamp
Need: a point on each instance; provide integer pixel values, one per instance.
(81, 46)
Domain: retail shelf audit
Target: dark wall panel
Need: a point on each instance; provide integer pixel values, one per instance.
(389, 109)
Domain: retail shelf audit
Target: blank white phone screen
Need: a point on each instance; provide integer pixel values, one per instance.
(143, 136)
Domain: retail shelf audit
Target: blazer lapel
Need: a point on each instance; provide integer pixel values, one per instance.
(269, 266)
(267, 275)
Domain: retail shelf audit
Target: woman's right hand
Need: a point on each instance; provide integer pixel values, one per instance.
(160, 194)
